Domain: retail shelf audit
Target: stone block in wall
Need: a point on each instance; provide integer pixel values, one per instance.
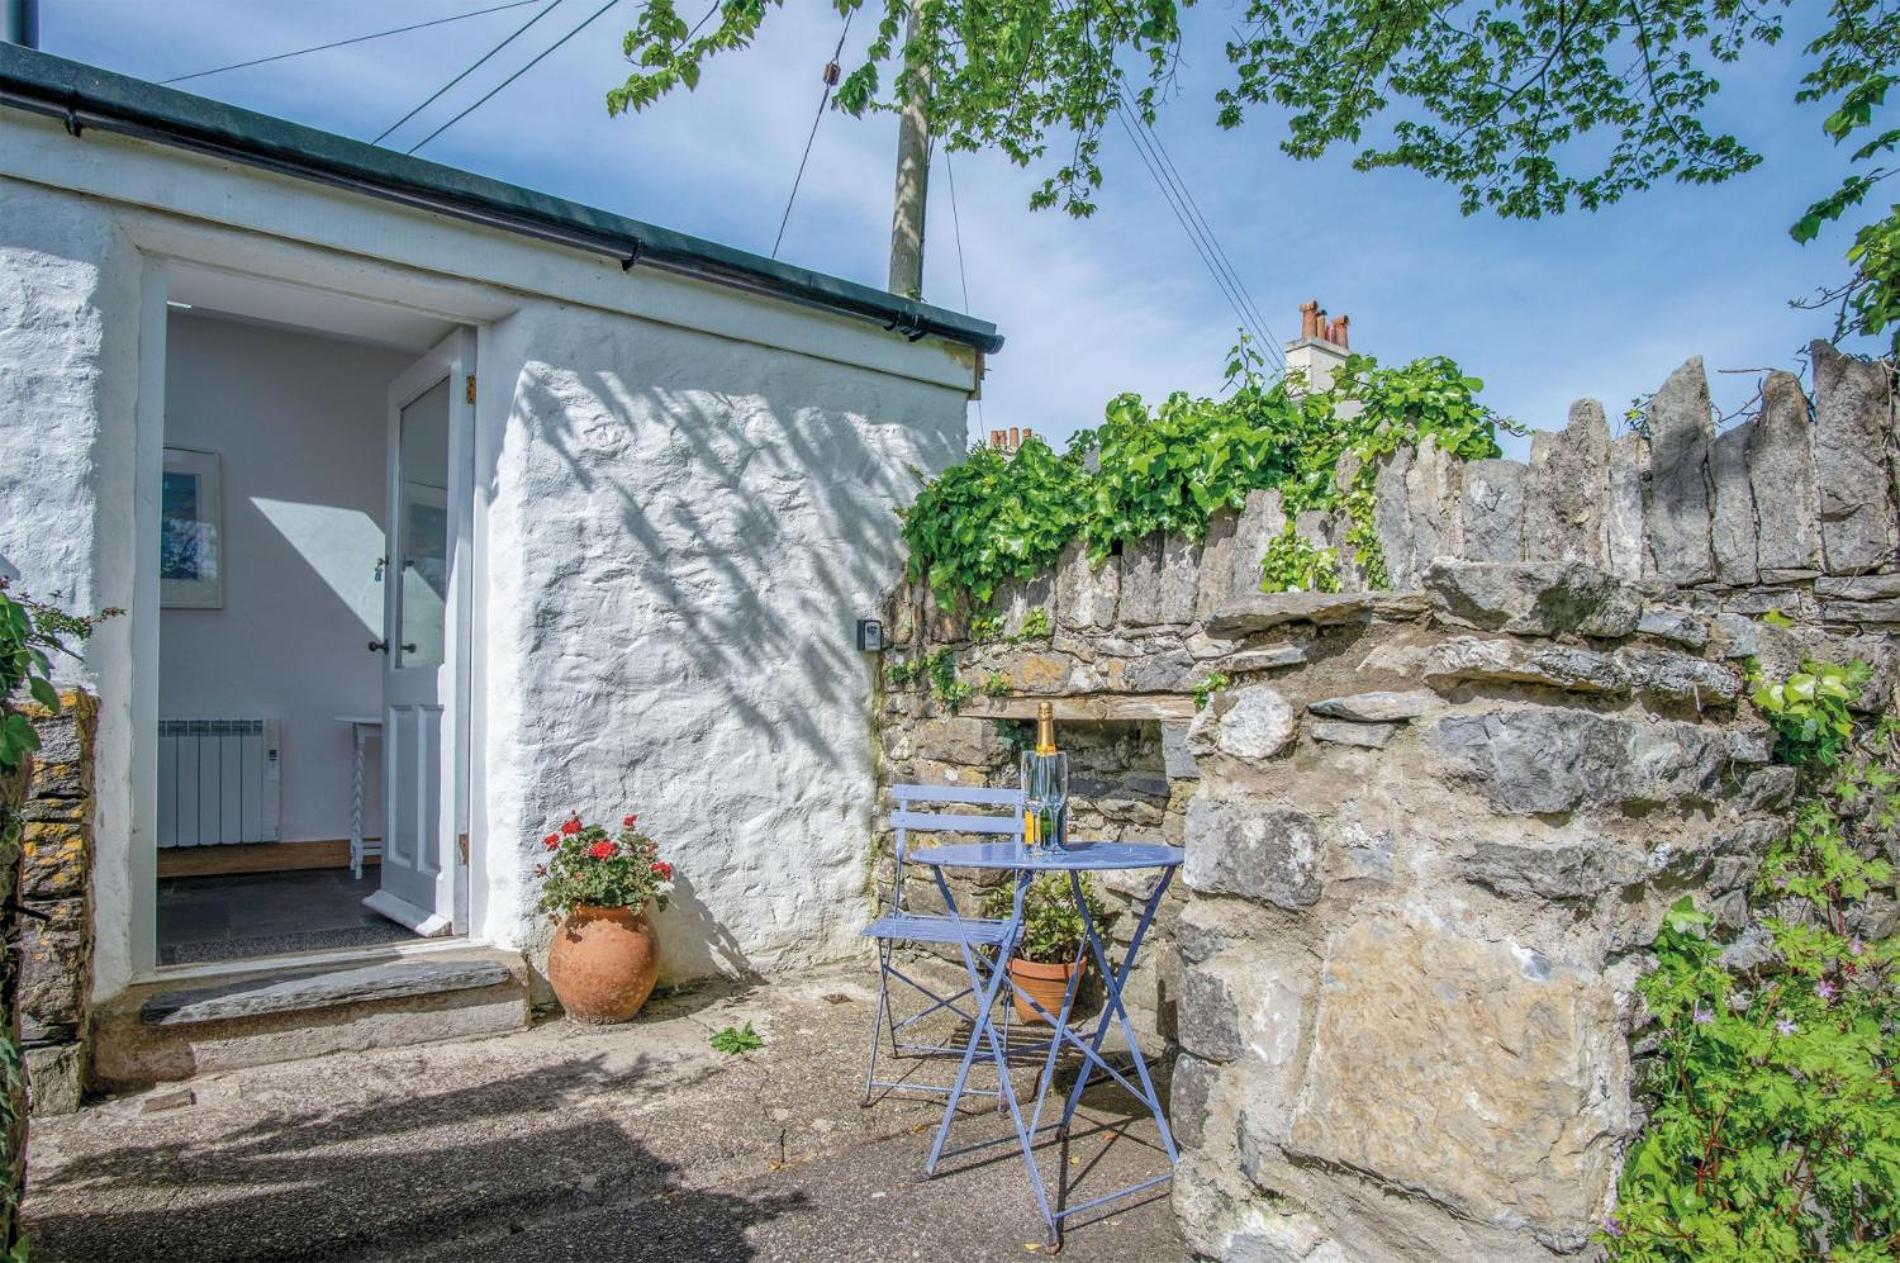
(1177, 760)
(1680, 677)
(1264, 611)
(1352, 572)
(1140, 604)
(1537, 1042)
(56, 955)
(1262, 520)
(1188, 1090)
(1391, 521)
(972, 742)
(1493, 510)
(1681, 432)
(1386, 706)
(1534, 598)
(1086, 595)
(1853, 413)
(1215, 582)
(1625, 537)
(1180, 578)
(1017, 599)
(1433, 504)
(55, 1079)
(1881, 613)
(1508, 660)
(1254, 848)
(1563, 870)
(1781, 481)
(56, 858)
(1541, 760)
(1567, 490)
(1872, 587)
(1254, 723)
(1678, 625)
(1732, 519)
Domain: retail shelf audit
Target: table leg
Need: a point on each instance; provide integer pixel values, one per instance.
(985, 1031)
(1114, 1009)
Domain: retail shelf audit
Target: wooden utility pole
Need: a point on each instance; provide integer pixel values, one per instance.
(913, 178)
(20, 22)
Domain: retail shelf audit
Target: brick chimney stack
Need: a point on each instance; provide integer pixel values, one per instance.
(1011, 439)
(1319, 351)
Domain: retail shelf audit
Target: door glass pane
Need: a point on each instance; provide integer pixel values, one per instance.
(423, 530)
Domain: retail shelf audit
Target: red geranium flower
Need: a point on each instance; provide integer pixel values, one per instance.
(551, 841)
(664, 869)
(572, 826)
(601, 850)
(630, 821)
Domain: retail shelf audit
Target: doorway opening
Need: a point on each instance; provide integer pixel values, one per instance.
(315, 545)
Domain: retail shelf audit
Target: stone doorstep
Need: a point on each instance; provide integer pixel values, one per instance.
(321, 989)
(160, 1032)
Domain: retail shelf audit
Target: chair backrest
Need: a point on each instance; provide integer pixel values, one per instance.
(905, 819)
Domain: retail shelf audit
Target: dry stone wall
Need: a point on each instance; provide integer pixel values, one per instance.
(1431, 831)
(55, 895)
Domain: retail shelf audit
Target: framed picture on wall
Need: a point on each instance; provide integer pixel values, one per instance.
(191, 532)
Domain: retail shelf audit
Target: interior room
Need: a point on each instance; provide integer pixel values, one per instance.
(274, 500)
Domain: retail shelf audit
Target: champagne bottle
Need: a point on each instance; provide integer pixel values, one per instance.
(1045, 781)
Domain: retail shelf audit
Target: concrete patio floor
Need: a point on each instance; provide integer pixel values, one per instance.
(564, 1142)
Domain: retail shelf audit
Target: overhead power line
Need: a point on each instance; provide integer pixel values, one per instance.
(433, 97)
(357, 39)
(1194, 210)
(1227, 290)
(588, 21)
(956, 231)
(824, 99)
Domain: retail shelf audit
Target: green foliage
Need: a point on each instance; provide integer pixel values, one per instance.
(1808, 710)
(30, 632)
(1035, 624)
(986, 627)
(736, 1040)
(996, 685)
(1205, 690)
(1294, 564)
(585, 865)
(1171, 469)
(944, 684)
(994, 518)
(1053, 933)
(1773, 1125)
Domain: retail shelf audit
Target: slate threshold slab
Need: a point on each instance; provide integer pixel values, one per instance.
(319, 990)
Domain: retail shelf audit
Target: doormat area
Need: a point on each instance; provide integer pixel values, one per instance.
(276, 944)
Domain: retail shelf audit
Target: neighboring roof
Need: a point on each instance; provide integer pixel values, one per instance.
(87, 97)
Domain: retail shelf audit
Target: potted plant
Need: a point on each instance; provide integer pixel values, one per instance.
(1050, 951)
(597, 886)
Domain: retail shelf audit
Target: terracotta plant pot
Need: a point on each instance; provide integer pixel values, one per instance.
(604, 964)
(1046, 984)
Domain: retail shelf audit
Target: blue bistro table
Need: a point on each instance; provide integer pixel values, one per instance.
(1026, 863)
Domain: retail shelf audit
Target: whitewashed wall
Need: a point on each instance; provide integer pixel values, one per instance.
(683, 533)
(299, 425)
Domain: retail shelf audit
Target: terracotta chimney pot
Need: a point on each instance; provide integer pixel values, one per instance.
(1309, 318)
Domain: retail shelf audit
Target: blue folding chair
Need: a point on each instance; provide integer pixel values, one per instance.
(899, 925)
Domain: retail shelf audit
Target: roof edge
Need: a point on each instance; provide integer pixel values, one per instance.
(85, 96)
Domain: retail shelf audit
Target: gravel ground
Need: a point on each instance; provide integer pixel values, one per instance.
(565, 1142)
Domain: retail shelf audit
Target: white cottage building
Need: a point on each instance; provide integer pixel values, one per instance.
(547, 508)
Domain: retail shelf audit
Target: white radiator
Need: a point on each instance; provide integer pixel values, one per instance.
(218, 781)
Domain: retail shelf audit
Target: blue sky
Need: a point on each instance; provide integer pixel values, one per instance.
(1601, 305)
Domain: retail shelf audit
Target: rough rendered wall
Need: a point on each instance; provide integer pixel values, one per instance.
(684, 531)
(69, 312)
(1432, 832)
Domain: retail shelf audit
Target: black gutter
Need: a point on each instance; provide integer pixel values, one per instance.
(83, 97)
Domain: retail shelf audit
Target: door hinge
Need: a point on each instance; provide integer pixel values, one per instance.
(470, 389)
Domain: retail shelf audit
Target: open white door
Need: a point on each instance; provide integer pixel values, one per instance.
(425, 642)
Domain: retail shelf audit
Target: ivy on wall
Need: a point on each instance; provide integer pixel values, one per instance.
(1773, 1127)
(999, 517)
